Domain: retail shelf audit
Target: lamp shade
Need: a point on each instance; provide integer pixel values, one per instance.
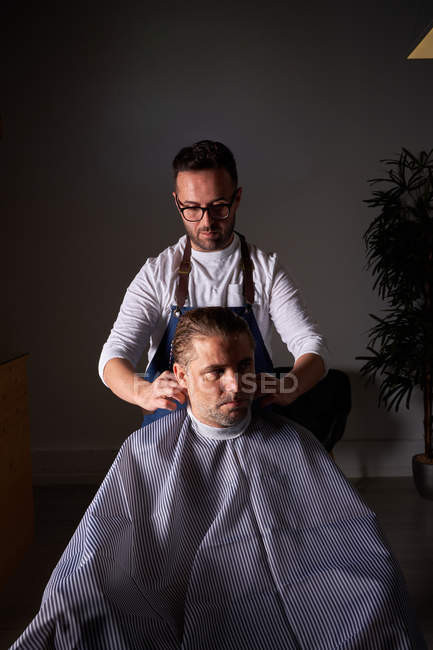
(424, 49)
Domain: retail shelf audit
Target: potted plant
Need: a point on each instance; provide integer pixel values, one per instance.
(399, 244)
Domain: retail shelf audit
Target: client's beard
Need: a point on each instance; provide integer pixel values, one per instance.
(228, 418)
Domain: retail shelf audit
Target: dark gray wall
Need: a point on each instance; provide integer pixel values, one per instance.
(96, 101)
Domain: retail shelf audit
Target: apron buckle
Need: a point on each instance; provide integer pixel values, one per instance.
(185, 268)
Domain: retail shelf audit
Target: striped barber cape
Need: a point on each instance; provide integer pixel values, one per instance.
(253, 543)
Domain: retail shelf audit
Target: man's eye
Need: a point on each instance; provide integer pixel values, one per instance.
(220, 210)
(212, 375)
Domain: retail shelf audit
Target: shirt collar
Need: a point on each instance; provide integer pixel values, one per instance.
(211, 256)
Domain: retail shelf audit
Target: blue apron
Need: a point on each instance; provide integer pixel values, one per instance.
(162, 361)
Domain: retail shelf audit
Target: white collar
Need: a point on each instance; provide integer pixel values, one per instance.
(207, 257)
(220, 433)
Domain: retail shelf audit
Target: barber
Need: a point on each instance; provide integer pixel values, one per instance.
(211, 265)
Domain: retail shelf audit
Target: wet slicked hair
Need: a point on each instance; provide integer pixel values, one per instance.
(202, 323)
(205, 154)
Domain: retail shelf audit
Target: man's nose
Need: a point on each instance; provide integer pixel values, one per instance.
(206, 221)
(231, 382)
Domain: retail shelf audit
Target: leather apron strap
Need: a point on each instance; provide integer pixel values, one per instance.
(183, 274)
(247, 269)
(185, 269)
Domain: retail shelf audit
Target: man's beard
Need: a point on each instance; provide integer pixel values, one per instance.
(234, 415)
(219, 242)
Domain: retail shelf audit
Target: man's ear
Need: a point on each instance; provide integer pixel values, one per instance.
(175, 203)
(238, 198)
(180, 374)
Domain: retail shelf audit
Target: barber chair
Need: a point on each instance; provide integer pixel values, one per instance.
(323, 409)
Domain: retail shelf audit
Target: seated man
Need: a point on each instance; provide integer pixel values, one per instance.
(218, 529)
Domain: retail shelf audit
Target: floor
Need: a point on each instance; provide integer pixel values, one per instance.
(406, 519)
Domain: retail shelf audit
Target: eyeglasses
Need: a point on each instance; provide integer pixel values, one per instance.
(217, 211)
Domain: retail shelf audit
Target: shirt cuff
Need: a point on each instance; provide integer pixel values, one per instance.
(105, 357)
(323, 354)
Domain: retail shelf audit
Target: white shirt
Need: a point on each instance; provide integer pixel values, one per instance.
(215, 280)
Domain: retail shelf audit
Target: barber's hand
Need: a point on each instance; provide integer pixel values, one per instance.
(274, 390)
(160, 393)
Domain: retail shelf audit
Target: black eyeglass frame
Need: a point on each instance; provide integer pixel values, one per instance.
(207, 208)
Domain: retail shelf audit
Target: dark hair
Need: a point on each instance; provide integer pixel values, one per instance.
(204, 322)
(206, 154)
